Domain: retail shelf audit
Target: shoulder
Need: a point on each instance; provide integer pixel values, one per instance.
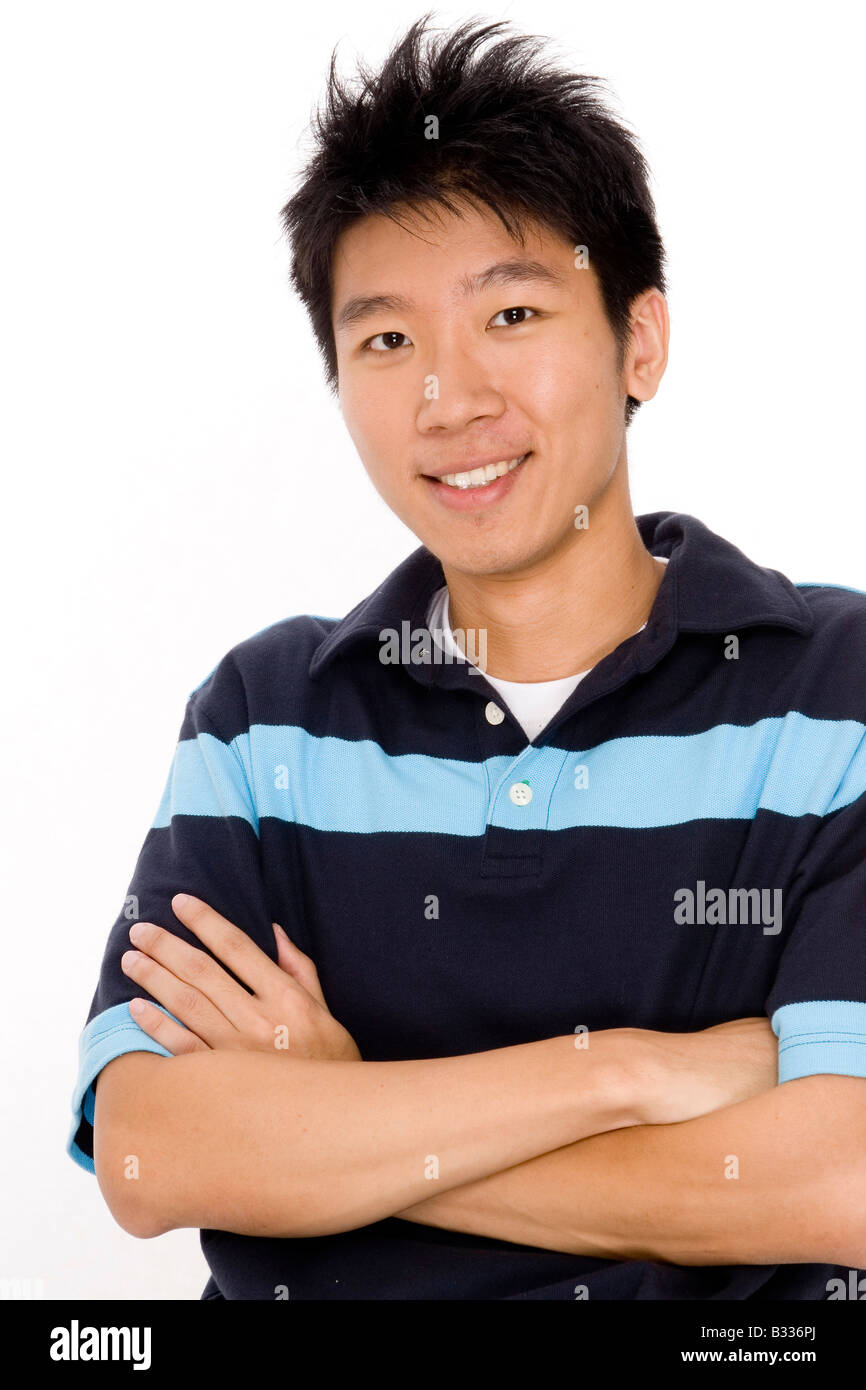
(263, 678)
(839, 623)
(828, 674)
(832, 604)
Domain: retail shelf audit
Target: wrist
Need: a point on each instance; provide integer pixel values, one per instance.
(636, 1071)
(603, 1072)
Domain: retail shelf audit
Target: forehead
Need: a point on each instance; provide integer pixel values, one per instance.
(428, 246)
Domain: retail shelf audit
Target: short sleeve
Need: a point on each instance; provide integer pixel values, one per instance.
(817, 1004)
(204, 840)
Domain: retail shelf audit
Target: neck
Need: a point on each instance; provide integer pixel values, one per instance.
(565, 612)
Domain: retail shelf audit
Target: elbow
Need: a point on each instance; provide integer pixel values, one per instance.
(122, 1192)
(131, 1169)
(133, 1201)
(131, 1215)
(142, 1225)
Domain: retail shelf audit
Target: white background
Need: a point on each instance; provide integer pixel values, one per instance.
(176, 476)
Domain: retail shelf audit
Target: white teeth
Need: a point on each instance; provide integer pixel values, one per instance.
(479, 477)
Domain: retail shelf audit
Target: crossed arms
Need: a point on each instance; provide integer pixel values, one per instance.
(673, 1192)
(677, 1147)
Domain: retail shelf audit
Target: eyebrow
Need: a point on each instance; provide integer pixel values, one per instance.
(512, 272)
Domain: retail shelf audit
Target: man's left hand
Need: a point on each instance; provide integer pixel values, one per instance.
(286, 1011)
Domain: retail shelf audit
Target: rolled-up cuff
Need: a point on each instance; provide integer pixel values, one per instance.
(822, 1035)
(106, 1036)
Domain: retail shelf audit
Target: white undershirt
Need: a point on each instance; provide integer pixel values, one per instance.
(533, 703)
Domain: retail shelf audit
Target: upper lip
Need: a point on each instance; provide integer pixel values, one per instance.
(474, 463)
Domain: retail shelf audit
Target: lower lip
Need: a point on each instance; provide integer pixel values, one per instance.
(465, 499)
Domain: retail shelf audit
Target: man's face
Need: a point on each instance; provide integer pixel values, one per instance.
(465, 372)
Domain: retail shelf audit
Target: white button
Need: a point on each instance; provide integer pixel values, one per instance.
(520, 793)
(493, 712)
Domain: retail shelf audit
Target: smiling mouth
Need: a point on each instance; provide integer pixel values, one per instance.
(482, 477)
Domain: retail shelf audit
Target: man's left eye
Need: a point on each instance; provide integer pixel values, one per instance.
(520, 309)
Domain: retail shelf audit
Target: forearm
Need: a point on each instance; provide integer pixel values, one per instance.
(667, 1192)
(276, 1146)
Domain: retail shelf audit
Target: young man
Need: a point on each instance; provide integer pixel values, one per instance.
(563, 824)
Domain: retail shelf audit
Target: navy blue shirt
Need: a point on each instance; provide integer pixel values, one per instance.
(691, 849)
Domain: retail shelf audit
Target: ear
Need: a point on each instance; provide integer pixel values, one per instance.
(647, 353)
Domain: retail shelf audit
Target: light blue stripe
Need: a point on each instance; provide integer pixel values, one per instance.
(205, 779)
(337, 784)
(106, 1036)
(819, 1036)
(820, 584)
(792, 765)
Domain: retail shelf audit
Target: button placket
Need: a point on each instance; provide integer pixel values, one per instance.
(504, 855)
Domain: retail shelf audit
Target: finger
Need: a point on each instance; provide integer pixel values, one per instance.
(293, 961)
(228, 943)
(173, 1036)
(196, 968)
(184, 1000)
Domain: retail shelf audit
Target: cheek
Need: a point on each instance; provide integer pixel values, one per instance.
(372, 400)
(565, 387)
(368, 419)
(360, 411)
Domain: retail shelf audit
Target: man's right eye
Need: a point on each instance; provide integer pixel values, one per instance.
(389, 347)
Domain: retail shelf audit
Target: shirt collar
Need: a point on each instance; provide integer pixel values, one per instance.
(708, 586)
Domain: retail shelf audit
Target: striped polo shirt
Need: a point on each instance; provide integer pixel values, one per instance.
(682, 844)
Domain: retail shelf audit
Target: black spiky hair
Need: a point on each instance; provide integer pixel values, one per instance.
(516, 134)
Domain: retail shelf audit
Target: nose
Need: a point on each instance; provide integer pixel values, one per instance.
(457, 391)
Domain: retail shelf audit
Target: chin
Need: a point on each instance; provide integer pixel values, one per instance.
(484, 558)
